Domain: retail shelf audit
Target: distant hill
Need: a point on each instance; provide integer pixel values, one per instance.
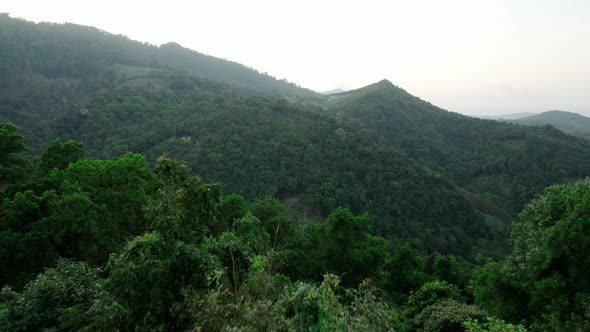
(210, 67)
(511, 116)
(568, 122)
(499, 165)
(334, 91)
(36, 48)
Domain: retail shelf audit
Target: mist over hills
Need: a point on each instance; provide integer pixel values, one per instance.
(568, 122)
(376, 149)
(160, 189)
(89, 49)
(511, 116)
(334, 91)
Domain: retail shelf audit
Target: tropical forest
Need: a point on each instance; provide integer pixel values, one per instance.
(156, 188)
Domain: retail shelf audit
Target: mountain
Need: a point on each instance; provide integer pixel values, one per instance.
(101, 90)
(439, 180)
(568, 122)
(512, 116)
(90, 51)
(331, 92)
(210, 67)
(499, 165)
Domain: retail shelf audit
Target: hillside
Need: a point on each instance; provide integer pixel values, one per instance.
(442, 181)
(148, 188)
(499, 165)
(261, 146)
(54, 51)
(256, 145)
(568, 122)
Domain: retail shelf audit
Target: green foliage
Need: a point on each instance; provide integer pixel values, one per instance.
(231, 207)
(84, 211)
(273, 213)
(317, 308)
(551, 241)
(322, 309)
(11, 143)
(351, 251)
(430, 293)
(403, 269)
(299, 307)
(148, 276)
(239, 247)
(452, 269)
(122, 184)
(543, 280)
(185, 205)
(447, 315)
(495, 291)
(491, 324)
(59, 155)
(341, 245)
(51, 301)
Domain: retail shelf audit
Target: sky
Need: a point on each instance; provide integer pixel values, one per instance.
(475, 57)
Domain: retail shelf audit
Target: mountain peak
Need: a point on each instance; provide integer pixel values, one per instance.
(172, 44)
(385, 82)
(383, 85)
(333, 92)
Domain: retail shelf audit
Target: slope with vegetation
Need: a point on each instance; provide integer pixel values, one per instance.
(47, 66)
(389, 200)
(256, 145)
(499, 165)
(568, 122)
(423, 174)
(168, 251)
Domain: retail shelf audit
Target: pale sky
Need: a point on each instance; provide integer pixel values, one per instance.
(468, 56)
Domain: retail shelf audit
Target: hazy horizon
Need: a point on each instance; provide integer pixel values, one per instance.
(476, 58)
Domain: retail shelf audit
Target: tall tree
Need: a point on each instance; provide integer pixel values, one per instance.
(11, 143)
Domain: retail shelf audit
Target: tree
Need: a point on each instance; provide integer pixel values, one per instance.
(231, 207)
(341, 245)
(551, 243)
(404, 270)
(447, 315)
(544, 280)
(430, 293)
(85, 211)
(148, 276)
(185, 206)
(273, 215)
(11, 143)
(238, 247)
(53, 299)
(59, 154)
(500, 295)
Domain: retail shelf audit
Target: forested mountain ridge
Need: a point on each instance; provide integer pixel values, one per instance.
(400, 203)
(409, 164)
(39, 49)
(568, 122)
(263, 146)
(504, 164)
(257, 146)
